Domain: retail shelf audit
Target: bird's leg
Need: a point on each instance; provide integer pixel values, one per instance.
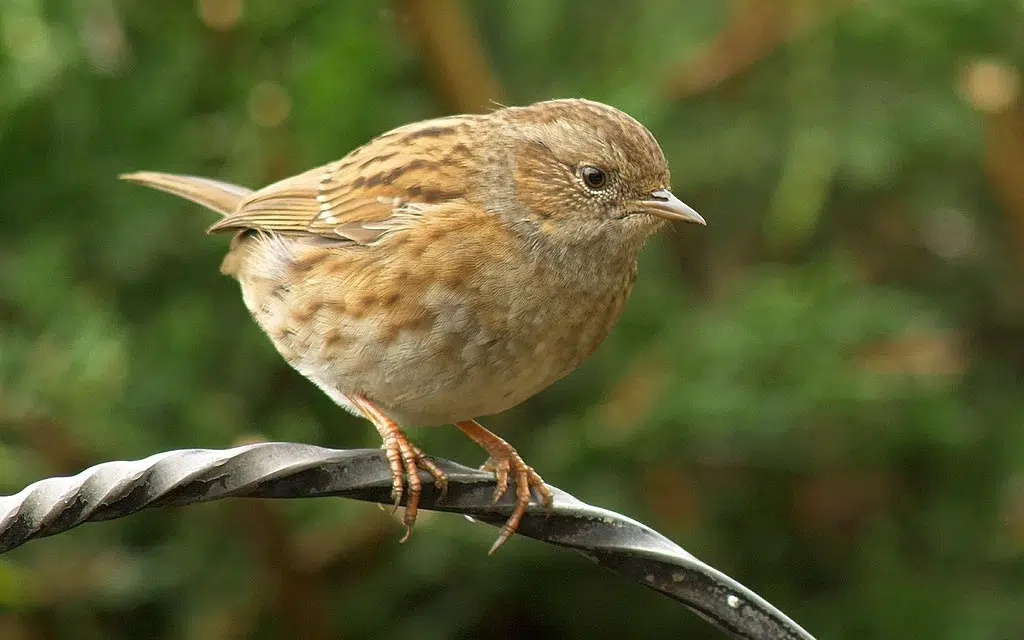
(405, 460)
(504, 461)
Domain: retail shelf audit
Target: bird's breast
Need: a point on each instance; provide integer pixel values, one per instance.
(440, 327)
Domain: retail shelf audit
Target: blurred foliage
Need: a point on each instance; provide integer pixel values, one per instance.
(820, 393)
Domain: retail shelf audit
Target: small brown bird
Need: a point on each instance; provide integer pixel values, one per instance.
(450, 268)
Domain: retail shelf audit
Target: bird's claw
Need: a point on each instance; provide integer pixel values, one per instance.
(405, 461)
(526, 480)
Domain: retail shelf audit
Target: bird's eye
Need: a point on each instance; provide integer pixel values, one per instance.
(593, 177)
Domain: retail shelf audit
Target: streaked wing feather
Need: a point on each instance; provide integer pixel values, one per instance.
(377, 188)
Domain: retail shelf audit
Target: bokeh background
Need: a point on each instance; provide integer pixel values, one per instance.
(820, 393)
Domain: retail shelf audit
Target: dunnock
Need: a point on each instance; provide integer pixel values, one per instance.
(450, 268)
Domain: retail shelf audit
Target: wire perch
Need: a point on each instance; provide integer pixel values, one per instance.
(291, 470)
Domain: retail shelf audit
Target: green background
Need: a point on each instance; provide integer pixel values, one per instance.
(819, 394)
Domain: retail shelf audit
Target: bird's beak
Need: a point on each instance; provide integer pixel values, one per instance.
(665, 205)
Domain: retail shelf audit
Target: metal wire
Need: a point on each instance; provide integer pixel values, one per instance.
(291, 470)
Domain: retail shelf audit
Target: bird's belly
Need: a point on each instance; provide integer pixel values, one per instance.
(471, 332)
(444, 359)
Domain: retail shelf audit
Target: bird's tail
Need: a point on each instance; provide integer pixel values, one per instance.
(221, 197)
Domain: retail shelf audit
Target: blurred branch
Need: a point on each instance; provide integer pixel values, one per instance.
(452, 53)
(291, 470)
(1004, 164)
(755, 30)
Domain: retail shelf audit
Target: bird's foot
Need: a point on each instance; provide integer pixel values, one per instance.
(405, 460)
(505, 462)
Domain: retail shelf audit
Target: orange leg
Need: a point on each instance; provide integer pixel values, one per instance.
(405, 460)
(504, 460)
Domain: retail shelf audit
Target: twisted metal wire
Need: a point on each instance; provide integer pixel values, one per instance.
(291, 470)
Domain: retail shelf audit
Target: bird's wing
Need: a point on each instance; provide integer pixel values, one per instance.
(384, 185)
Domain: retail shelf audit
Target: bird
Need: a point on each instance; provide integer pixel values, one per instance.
(448, 269)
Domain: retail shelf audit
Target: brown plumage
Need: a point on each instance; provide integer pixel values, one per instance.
(450, 268)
